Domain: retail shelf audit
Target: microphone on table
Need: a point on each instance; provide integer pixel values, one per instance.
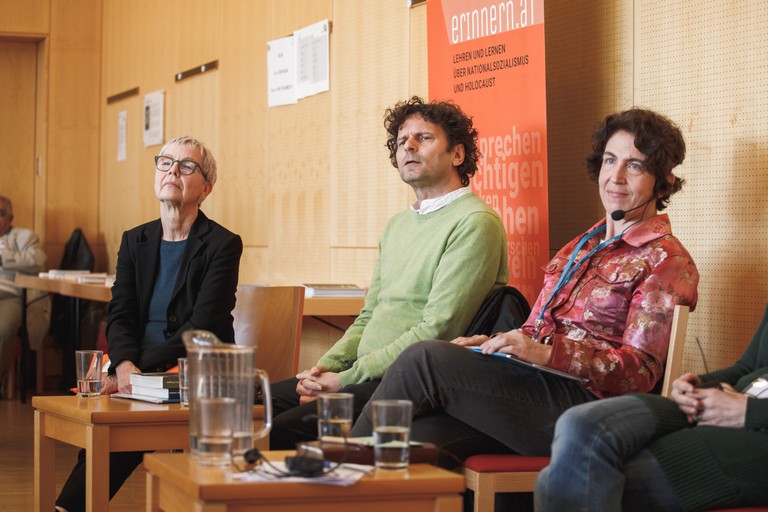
(620, 214)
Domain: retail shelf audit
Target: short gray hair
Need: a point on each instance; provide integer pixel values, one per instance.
(209, 162)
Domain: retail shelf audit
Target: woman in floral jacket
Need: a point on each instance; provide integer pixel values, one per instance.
(604, 313)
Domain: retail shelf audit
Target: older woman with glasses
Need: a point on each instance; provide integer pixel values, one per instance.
(175, 273)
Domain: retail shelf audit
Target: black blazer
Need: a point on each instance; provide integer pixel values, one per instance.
(202, 298)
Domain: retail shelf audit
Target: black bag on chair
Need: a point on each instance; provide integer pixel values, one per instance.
(503, 310)
(77, 256)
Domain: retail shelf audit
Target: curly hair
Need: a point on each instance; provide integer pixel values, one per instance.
(456, 124)
(656, 137)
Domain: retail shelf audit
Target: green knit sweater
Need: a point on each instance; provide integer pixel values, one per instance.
(431, 275)
(717, 467)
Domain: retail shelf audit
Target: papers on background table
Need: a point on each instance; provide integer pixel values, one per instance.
(145, 398)
(80, 276)
(333, 290)
(344, 475)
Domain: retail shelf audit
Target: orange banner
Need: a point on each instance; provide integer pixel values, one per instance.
(488, 57)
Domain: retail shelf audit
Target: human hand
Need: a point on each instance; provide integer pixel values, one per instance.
(303, 399)
(516, 343)
(124, 371)
(108, 384)
(682, 387)
(312, 372)
(306, 385)
(315, 381)
(724, 407)
(470, 341)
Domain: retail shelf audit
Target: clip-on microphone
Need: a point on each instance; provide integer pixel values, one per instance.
(620, 214)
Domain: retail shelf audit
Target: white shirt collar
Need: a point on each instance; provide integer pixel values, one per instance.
(434, 204)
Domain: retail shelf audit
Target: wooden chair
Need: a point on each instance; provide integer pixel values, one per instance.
(488, 474)
(269, 318)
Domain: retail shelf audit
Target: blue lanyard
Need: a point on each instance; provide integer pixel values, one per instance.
(571, 268)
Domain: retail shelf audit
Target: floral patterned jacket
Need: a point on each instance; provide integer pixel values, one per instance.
(612, 320)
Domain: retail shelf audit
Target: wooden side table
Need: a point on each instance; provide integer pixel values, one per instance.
(176, 483)
(101, 426)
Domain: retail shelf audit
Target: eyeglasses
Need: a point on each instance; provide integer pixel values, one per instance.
(186, 167)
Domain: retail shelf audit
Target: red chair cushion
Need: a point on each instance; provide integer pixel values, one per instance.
(505, 463)
(747, 509)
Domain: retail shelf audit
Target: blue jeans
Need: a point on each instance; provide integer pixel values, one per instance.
(468, 403)
(599, 461)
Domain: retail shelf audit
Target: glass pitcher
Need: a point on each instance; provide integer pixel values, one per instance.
(224, 370)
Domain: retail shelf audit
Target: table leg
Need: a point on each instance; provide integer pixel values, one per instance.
(24, 359)
(45, 470)
(76, 325)
(153, 493)
(97, 469)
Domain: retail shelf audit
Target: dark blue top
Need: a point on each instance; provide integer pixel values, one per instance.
(168, 270)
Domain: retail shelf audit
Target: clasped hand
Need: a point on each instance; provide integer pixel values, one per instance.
(724, 407)
(314, 381)
(121, 380)
(511, 342)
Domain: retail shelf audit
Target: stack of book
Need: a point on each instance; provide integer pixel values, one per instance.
(93, 278)
(155, 385)
(80, 276)
(69, 275)
(333, 290)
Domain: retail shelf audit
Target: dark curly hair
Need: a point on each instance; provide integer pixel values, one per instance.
(456, 124)
(656, 137)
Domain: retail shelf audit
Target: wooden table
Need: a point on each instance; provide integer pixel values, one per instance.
(313, 306)
(65, 287)
(101, 426)
(175, 483)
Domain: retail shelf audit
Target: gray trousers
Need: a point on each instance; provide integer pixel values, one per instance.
(468, 403)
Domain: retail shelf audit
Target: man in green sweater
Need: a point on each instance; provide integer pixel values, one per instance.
(436, 263)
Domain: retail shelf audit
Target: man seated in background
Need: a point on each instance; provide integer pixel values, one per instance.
(436, 263)
(19, 252)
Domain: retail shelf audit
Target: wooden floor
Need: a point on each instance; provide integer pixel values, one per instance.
(17, 463)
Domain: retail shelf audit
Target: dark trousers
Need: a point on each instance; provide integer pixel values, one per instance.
(121, 465)
(468, 403)
(294, 423)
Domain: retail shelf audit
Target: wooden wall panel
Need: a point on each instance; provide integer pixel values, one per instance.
(417, 49)
(25, 18)
(121, 63)
(244, 130)
(146, 43)
(73, 125)
(705, 64)
(18, 60)
(127, 196)
(298, 167)
(369, 73)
